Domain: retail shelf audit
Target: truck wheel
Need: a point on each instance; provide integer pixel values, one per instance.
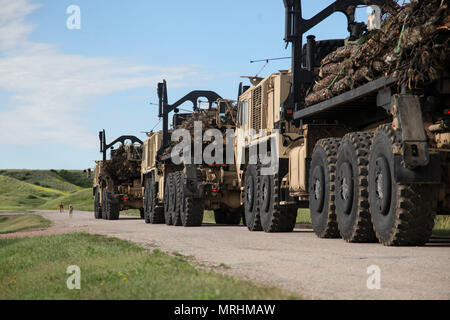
(142, 213)
(105, 204)
(174, 195)
(401, 213)
(352, 195)
(147, 201)
(251, 205)
(322, 188)
(228, 216)
(190, 209)
(153, 213)
(274, 217)
(97, 207)
(167, 206)
(112, 206)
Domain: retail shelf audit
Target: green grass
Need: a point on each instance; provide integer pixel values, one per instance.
(303, 216)
(442, 226)
(21, 190)
(10, 224)
(80, 200)
(208, 217)
(15, 194)
(35, 268)
(4, 212)
(62, 180)
(132, 212)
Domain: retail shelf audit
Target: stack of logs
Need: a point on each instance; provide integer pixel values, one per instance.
(412, 46)
(209, 119)
(124, 165)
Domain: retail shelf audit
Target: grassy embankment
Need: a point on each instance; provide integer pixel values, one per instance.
(10, 224)
(22, 190)
(25, 272)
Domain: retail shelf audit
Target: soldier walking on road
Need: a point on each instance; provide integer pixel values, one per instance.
(70, 211)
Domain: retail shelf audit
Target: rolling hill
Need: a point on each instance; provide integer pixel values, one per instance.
(44, 189)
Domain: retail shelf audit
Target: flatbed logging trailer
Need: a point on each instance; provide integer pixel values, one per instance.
(371, 161)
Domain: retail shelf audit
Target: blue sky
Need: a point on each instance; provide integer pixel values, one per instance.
(59, 87)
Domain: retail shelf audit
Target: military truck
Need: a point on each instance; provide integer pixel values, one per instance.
(178, 193)
(117, 180)
(368, 155)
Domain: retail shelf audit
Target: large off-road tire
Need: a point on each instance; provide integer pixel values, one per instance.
(228, 216)
(112, 206)
(191, 209)
(251, 199)
(97, 207)
(154, 213)
(352, 195)
(167, 198)
(147, 200)
(322, 180)
(174, 199)
(142, 213)
(104, 204)
(274, 217)
(401, 213)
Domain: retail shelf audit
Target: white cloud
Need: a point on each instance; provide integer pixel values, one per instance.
(50, 88)
(13, 30)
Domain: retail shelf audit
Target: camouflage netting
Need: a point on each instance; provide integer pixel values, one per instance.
(120, 168)
(411, 46)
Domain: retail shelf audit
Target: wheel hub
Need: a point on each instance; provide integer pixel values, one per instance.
(265, 193)
(382, 176)
(249, 191)
(379, 181)
(345, 189)
(317, 189)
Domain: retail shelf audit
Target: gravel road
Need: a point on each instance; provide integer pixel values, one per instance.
(298, 262)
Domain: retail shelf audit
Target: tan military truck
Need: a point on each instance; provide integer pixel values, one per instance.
(367, 151)
(117, 180)
(178, 194)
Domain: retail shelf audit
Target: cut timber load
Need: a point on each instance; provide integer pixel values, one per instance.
(124, 165)
(412, 46)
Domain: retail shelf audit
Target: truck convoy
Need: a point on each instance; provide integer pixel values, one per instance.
(368, 154)
(117, 181)
(357, 131)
